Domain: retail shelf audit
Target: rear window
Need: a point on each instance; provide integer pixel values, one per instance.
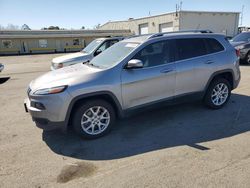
(213, 45)
(189, 48)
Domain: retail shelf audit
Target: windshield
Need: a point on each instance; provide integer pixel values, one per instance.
(113, 55)
(92, 46)
(245, 37)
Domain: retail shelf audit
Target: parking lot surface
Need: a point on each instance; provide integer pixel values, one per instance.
(186, 145)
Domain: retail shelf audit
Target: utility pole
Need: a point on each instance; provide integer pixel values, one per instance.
(181, 5)
(241, 16)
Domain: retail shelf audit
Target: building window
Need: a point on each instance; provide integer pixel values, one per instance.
(43, 43)
(7, 43)
(76, 42)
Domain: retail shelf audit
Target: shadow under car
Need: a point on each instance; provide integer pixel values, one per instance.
(183, 124)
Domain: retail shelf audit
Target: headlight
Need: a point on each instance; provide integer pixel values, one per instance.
(52, 90)
(57, 65)
(240, 47)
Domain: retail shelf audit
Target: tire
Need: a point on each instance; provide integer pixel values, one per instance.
(210, 100)
(93, 119)
(247, 59)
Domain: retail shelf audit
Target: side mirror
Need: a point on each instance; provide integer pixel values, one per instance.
(97, 52)
(134, 64)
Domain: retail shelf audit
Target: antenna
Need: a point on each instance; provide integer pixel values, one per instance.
(176, 13)
(181, 5)
(241, 16)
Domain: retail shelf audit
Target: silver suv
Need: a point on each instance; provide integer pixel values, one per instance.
(132, 74)
(93, 49)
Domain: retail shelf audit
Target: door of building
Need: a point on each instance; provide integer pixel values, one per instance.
(58, 46)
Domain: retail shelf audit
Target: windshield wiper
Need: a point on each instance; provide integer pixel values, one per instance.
(93, 65)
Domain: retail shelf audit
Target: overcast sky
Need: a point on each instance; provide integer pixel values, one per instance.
(88, 13)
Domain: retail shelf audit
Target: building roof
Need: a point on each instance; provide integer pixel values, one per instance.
(169, 13)
(61, 33)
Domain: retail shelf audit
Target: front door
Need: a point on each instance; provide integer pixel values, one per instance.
(153, 82)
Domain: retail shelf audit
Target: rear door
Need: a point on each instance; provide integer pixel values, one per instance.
(153, 82)
(208, 63)
(190, 53)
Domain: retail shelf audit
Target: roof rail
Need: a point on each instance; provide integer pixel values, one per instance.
(182, 31)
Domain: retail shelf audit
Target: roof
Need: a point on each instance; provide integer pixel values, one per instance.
(143, 38)
(169, 13)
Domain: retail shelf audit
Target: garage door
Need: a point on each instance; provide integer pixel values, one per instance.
(143, 29)
(166, 27)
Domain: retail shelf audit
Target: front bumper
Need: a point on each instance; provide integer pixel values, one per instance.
(52, 68)
(1, 68)
(53, 115)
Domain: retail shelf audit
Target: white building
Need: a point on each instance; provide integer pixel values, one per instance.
(218, 22)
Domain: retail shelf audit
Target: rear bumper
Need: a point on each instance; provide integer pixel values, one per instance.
(236, 82)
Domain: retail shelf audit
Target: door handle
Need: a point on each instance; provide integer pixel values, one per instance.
(209, 62)
(165, 71)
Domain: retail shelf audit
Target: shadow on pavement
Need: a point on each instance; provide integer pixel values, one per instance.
(185, 124)
(4, 79)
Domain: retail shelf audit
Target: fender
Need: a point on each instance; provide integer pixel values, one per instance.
(118, 106)
(218, 73)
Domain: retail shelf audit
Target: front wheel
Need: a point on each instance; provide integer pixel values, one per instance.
(93, 119)
(218, 93)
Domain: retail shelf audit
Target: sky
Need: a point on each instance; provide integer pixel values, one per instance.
(73, 14)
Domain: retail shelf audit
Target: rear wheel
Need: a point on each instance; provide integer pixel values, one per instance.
(218, 93)
(93, 119)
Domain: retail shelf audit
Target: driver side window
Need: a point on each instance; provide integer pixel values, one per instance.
(103, 46)
(106, 45)
(157, 53)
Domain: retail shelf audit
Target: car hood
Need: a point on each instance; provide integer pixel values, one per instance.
(234, 44)
(65, 76)
(79, 56)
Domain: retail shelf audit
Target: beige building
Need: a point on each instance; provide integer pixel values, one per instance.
(48, 41)
(219, 22)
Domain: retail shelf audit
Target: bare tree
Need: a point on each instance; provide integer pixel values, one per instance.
(12, 27)
(9, 27)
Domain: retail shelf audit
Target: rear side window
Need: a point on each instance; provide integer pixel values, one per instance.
(190, 48)
(213, 45)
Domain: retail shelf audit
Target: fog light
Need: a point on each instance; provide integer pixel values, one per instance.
(37, 105)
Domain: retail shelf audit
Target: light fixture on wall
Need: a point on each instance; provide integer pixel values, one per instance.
(153, 24)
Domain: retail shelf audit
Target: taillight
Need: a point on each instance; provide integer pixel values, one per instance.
(237, 52)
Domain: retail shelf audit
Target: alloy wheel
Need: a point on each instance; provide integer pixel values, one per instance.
(95, 120)
(220, 94)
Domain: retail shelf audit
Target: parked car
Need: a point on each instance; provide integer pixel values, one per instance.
(242, 43)
(89, 52)
(133, 74)
(1, 67)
